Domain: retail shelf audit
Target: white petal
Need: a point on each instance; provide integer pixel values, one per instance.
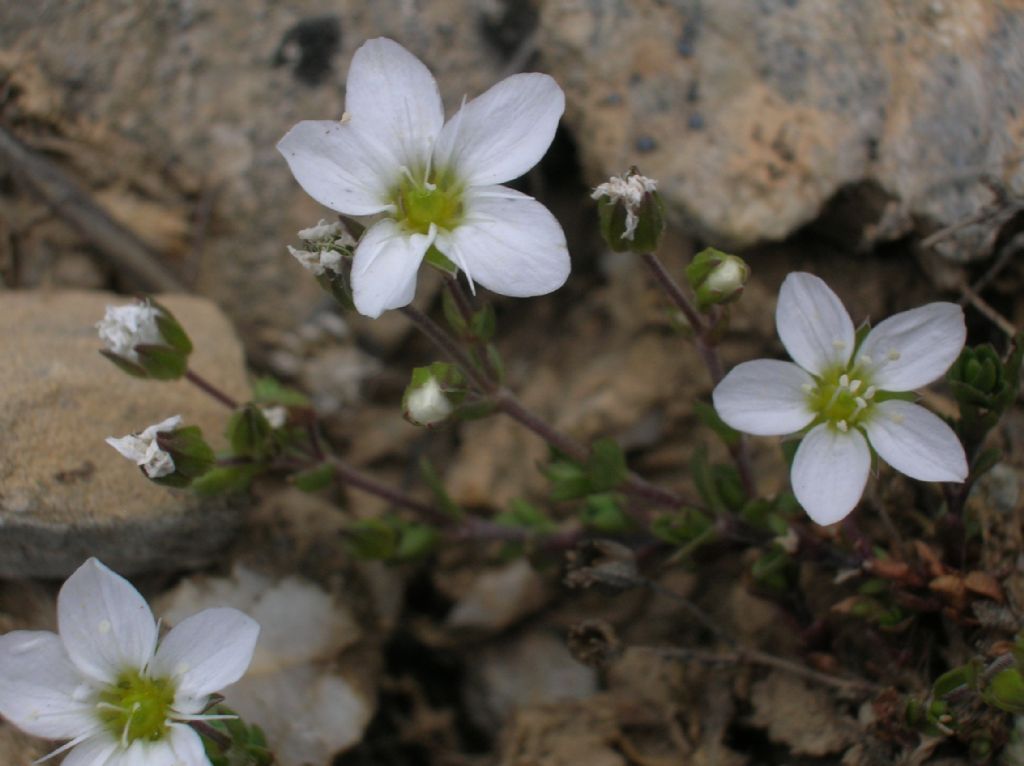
(105, 624)
(916, 442)
(384, 267)
(41, 692)
(187, 746)
(206, 652)
(340, 167)
(764, 397)
(93, 752)
(142, 753)
(391, 95)
(911, 349)
(830, 470)
(509, 243)
(812, 323)
(503, 133)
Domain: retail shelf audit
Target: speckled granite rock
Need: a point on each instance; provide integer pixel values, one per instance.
(754, 115)
(64, 494)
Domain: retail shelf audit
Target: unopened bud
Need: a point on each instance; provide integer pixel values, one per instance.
(432, 394)
(716, 277)
(632, 214)
(145, 340)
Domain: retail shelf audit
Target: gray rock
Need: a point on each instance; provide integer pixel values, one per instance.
(64, 494)
(170, 113)
(756, 115)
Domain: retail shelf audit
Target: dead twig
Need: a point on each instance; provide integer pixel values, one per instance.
(71, 202)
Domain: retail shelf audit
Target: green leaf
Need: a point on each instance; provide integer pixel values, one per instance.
(416, 541)
(372, 539)
(495, 361)
(1006, 691)
(707, 415)
(249, 433)
(700, 470)
(444, 501)
(313, 479)
(681, 527)
(267, 390)
(525, 515)
(568, 481)
(606, 467)
(951, 680)
(484, 323)
(603, 513)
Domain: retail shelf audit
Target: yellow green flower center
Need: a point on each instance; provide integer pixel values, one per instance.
(842, 399)
(435, 200)
(136, 707)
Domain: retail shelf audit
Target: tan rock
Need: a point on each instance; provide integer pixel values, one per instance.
(64, 494)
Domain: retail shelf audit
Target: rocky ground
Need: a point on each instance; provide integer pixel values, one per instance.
(876, 144)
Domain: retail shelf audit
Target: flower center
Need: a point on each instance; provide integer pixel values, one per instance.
(436, 200)
(841, 400)
(136, 707)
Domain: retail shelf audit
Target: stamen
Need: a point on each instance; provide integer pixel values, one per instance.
(839, 345)
(861, 404)
(807, 388)
(842, 426)
(864, 359)
(346, 118)
(893, 354)
(844, 380)
(870, 392)
(854, 385)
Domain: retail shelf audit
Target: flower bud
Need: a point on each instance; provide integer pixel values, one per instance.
(716, 277)
(145, 340)
(978, 378)
(432, 394)
(631, 212)
(166, 453)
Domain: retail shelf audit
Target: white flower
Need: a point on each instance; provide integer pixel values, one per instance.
(143, 449)
(326, 231)
(105, 685)
(125, 327)
(842, 391)
(427, 405)
(434, 183)
(629, 190)
(318, 261)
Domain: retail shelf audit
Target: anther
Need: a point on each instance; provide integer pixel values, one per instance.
(864, 359)
(807, 388)
(842, 426)
(838, 345)
(844, 380)
(854, 385)
(861, 404)
(870, 392)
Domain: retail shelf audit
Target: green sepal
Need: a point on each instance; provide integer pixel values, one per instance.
(484, 323)
(173, 333)
(495, 361)
(440, 261)
(568, 481)
(227, 479)
(126, 366)
(249, 433)
(313, 479)
(162, 362)
(712, 284)
(192, 456)
(452, 314)
(339, 286)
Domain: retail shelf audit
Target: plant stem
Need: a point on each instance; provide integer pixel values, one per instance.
(356, 478)
(709, 354)
(208, 388)
(447, 344)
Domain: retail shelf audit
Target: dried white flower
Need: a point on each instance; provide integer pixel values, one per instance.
(277, 416)
(427, 405)
(125, 327)
(143, 450)
(629, 190)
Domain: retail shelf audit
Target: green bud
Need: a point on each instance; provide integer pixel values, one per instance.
(716, 277)
(192, 456)
(631, 213)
